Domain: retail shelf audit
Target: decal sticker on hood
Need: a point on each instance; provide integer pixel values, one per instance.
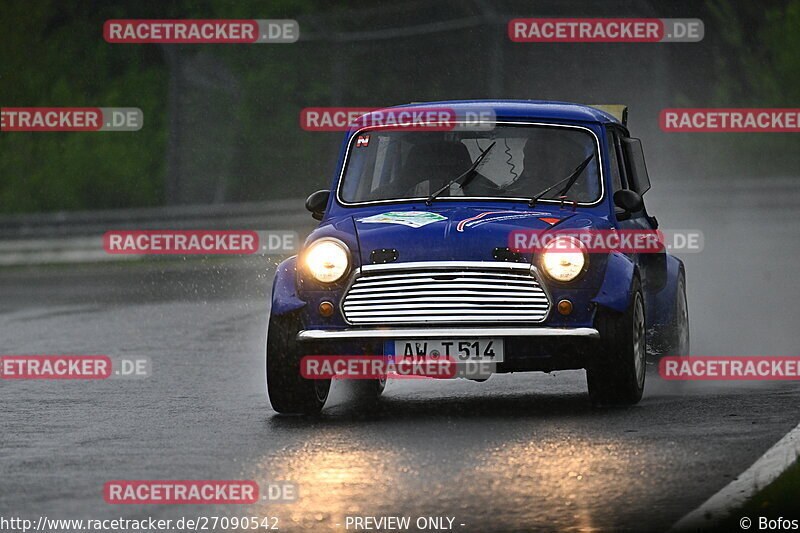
(495, 216)
(412, 219)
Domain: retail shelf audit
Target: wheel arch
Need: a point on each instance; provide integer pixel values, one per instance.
(615, 291)
(661, 304)
(284, 288)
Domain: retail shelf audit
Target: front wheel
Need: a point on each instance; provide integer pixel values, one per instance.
(289, 392)
(678, 333)
(618, 376)
(367, 391)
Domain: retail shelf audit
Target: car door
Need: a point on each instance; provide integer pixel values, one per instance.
(652, 266)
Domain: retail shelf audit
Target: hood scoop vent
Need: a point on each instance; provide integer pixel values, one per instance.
(506, 254)
(383, 256)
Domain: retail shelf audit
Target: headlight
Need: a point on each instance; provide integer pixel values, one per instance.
(327, 260)
(564, 258)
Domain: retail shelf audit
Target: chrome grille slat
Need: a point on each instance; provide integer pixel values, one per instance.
(463, 294)
(430, 310)
(425, 319)
(428, 281)
(449, 292)
(432, 274)
(467, 306)
(361, 301)
(438, 285)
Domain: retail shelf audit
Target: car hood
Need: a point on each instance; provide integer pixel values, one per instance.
(448, 233)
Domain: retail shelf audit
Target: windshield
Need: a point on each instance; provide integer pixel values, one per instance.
(401, 164)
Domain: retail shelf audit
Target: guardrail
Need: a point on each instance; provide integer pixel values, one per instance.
(77, 237)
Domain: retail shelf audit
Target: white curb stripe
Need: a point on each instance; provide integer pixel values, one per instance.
(763, 472)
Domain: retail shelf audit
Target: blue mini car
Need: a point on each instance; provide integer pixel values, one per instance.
(413, 254)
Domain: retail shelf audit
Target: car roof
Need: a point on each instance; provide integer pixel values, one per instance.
(516, 109)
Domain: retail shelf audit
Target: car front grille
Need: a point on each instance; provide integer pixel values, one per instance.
(445, 292)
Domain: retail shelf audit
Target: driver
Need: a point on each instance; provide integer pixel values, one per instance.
(430, 165)
(548, 156)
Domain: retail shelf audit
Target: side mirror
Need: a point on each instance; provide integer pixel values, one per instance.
(628, 200)
(317, 202)
(638, 179)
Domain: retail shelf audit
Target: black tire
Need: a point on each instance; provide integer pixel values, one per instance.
(289, 392)
(367, 390)
(678, 342)
(618, 376)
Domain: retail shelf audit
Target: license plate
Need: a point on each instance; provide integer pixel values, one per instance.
(461, 350)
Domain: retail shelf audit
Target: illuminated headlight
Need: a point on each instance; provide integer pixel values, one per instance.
(564, 258)
(327, 260)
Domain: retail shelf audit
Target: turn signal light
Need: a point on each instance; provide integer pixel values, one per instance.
(326, 308)
(564, 307)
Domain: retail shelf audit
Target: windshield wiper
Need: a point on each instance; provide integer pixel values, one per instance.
(469, 171)
(571, 179)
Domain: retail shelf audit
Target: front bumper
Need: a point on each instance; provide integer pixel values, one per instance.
(527, 348)
(443, 333)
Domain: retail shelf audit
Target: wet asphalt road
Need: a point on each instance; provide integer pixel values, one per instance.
(519, 452)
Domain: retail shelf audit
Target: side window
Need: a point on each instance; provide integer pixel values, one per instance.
(613, 162)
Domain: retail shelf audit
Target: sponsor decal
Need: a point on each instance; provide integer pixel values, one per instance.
(412, 219)
(495, 216)
(363, 140)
